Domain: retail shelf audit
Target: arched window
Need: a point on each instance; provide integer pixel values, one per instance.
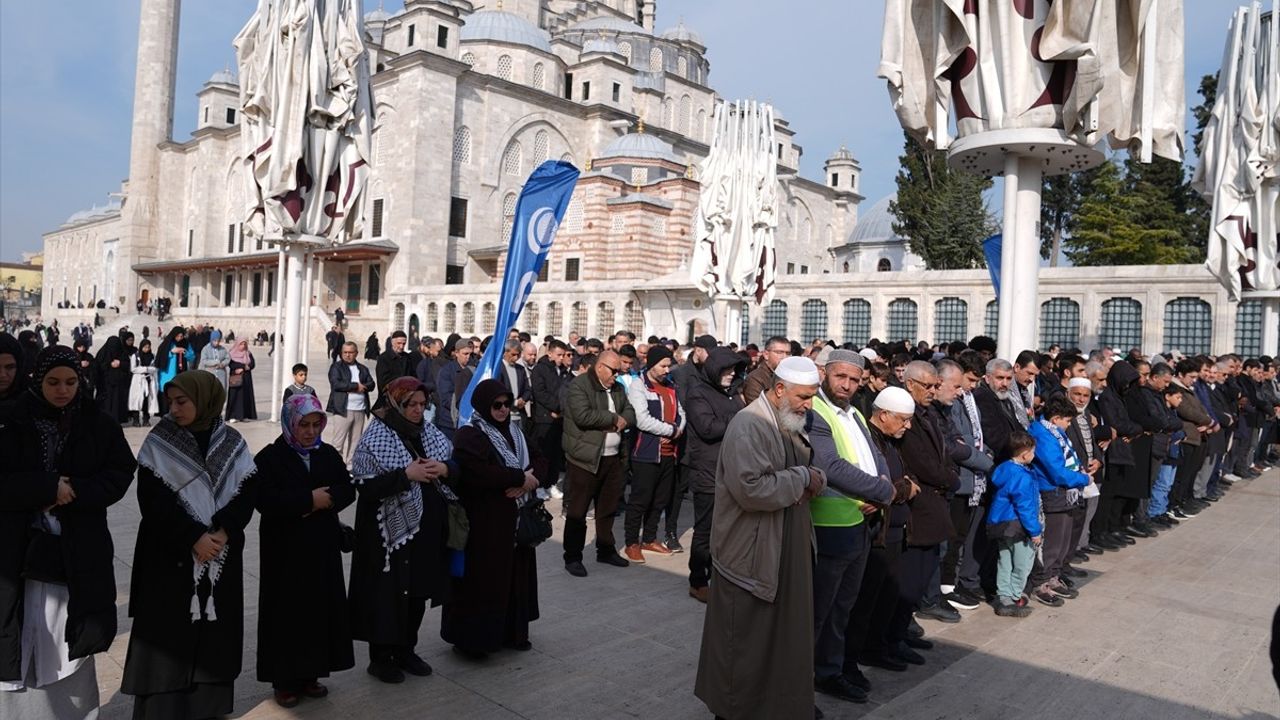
(950, 320)
(529, 319)
(903, 320)
(604, 319)
(504, 67)
(1060, 322)
(512, 160)
(686, 114)
(397, 317)
(433, 318)
(746, 324)
(624, 49)
(806, 231)
(538, 76)
(555, 318)
(1121, 323)
(700, 129)
(468, 318)
(813, 321)
(486, 319)
(1188, 326)
(450, 318)
(655, 60)
(508, 215)
(884, 265)
(857, 321)
(775, 319)
(578, 318)
(991, 322)
(469, 58)
(462, 145)
(1249, 328)
(541, 147)
(682, 67)
(634, 317)
(573, 216)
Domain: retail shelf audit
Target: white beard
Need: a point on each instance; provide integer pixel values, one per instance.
(788, 419)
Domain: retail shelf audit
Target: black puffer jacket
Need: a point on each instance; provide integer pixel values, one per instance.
(709, 408)
(1121, 379)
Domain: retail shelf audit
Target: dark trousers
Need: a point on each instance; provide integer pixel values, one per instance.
(392, 653)
(1240, 460)
(700, 551)
(864, 636)
(960, 546)
(915, 569)
(836, 578)
(605, 488)
(1105, 517)
(675, 500)
(1078, 515)
(547, 438)
(651, 485)
(1184, 479)
(1057, 548)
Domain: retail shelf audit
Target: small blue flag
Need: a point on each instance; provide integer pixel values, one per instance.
(991, 247)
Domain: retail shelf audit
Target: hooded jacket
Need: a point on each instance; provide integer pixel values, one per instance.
(1120, 379)
(709, 408)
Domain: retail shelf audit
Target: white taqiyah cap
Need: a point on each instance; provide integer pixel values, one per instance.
(895, 399)
(869, 354)
(798, 371)
(1079, 382)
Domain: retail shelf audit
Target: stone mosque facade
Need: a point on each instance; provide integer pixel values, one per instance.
(469, 101)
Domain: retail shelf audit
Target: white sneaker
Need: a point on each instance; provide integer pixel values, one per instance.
(556, 492)
(1230, 477)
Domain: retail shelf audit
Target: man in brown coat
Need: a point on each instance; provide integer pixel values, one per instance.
(776, 349)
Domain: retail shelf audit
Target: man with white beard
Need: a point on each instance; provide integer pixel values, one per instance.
(756, 659)
(996, 408)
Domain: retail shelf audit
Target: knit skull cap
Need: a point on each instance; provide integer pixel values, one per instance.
(846, 356)
(798, 371)
(869, 354)
(895, 399)
(1076, 382)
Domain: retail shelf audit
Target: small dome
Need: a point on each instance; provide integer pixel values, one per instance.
(682, 33)
(506, 27)
(222, 77)
(377, 16)
(612, 24)
(601, 45)
(842, 154)
(640, 145)
(876, 224)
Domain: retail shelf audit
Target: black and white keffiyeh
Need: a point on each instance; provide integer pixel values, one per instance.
(382, 451)
(204, 484)
(516, 458)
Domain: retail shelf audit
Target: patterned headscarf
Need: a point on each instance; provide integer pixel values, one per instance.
(54, 423)
(295, 408)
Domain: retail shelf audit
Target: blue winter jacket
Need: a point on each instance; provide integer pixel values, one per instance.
(1017, 497)
(1050, 465)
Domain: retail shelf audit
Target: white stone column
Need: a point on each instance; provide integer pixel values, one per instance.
(1271, 327)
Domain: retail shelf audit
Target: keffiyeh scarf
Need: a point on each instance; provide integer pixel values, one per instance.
(517, 458)
(1069, 457)
(382, 451)
(975, 421)
(204, 485)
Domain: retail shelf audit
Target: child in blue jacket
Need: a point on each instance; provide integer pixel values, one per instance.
(1061, 476)
(1014, 524)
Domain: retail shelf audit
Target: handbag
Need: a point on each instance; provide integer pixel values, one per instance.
(459, 526)
(43, 561)
(235, 380)
(533, 523)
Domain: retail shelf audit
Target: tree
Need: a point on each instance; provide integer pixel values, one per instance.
(1060, 201)
(1119, 226)
(1199, 211)
(939, 211)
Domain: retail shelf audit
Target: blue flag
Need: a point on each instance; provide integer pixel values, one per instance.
(991, 248)
(538, 214)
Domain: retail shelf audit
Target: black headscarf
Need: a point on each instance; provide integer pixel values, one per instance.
(127, 339)
(52, 357)
(145, 357)
(9, 345)
(169, 343)
(30, 343)
(112, 349)
(482, 399)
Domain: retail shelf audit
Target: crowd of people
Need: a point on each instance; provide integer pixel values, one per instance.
(866, 488)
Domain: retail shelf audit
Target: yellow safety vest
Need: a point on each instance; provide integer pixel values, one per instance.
(831, 508)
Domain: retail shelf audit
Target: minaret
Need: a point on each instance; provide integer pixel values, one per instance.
(153, 94)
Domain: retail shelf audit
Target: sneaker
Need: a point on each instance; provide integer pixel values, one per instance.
(701, 594)
(556, 492)
(1047, 597)
(673, 544)
(857, 679)
(961, 599)
(839, 687)
(1172, 519)
(1161, 521)
(942, 612)
(1057, 587)
(612, 557)
(633, 553)
(1004, 608)
(414, 665)
(655, 547)
(576, 568)
(386, 671)
(1189, 510)
(914, 630)
(1229, 478)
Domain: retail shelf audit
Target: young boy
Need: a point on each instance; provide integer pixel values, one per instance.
(1014, 523)
(299, 386)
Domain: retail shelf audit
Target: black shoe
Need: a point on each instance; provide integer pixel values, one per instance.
(414, 665)
(907, 655)
(386, 671)
(1105, 541)
(1093, 548)
(1162, 521)
(1080, 556)
(841, 688)
(1151, 529)
(942, 612)
(1048, 598)
(1074, 572)
(1134, 531)
(613, 558)
(1123, 539)
(884, 662)
(1171, 518)
(918, 643)
(817, 713)
(576, 568)
(914, 630)
(962, 599)
(673, 544)
(469, 654)
(857, 679)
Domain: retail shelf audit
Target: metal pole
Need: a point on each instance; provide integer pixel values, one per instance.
(1024, 295)
(1009, 231)
(306, 309)
(293, 305)
(276, 390)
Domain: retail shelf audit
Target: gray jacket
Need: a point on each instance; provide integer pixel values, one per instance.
(977, 461)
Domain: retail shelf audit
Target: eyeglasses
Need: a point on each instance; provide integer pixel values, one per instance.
(615, 370)
(501, 405)
(931, 386)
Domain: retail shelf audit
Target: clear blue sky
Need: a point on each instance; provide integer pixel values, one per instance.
(66, 86)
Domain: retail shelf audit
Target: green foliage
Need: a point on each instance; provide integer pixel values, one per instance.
(1127, 220)
(939, 211)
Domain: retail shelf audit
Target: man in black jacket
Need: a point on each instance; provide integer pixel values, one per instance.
(547, 382)
(513, 377)
(350, 384)
(394, 363)
(999, 416)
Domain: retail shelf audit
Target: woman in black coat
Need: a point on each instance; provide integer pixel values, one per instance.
(304, 626)
(115, 375)
(64, 464)
(242, 404)
(497, 596)
(196, 491)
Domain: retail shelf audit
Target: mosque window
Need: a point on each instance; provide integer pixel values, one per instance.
(617, 92)
(682, 67)
(442, 36)
(604, 319)
(586, 90)
(508, 216)
(746, 324)
(903, 320)
(511, 159)
(412, 34)
(375, 284)
(835, 179)
(574, 215)
(950, 320)
(578, 319)
(991, 322)
(504, 67)
(791, 268)
(1121, 323)
(624, 48)
(450, 318)
(618, 223)
(813, 321)
(804, 269)
(191, 242)
(433, 318)
(468, 317)
(634, 317)
(571, 269)
(377, 218)
(686, 114)
(231, 239)
(1248, 328)
(857, 321)
(461, 145)
(487, 319)
(568, 86)
(659, 226)
(1188, 326)
(555, 318)
(529, 318)
(469, 59)
(539, 77)
(700, 131)
(541, 147)
(639, 176)
(458, 217)
(775, 319)
(231, 116)
(1060, 322)
(655, 60)
(884, 265)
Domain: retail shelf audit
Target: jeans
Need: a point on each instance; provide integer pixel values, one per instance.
(1160, 492)
(1013, 564)
(836, 579)
(650, 491)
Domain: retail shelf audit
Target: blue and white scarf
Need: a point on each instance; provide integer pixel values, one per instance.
(1069, 457)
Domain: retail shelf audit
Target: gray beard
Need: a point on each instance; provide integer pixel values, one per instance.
(1003, 395)
(787, 418)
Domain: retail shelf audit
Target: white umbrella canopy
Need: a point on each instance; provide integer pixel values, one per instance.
(307, 117)
(1239, 169)
(736, 218)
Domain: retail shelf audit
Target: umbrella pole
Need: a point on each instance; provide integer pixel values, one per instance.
(305, 338)
(1020, 258)
(1009, 230)
(276, 390)
(293, 306)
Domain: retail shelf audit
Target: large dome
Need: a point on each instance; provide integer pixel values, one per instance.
(876, 224)
(640, 145)
(682, 33)
(505, 27)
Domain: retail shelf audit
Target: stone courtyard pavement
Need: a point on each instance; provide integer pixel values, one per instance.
(1175, 627)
